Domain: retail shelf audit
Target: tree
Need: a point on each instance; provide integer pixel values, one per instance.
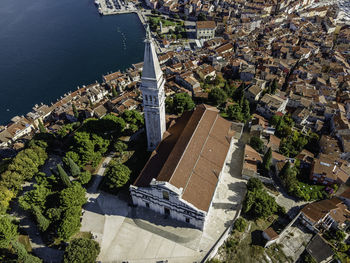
(70, 223)
(43, 222)
(117, 175)
(245, 109)
(240, 224)
(217, 96)
(64, 176)
(85, 177)
(35, 198)
(256, 143)
(254, 184)
(267, 160)
(73, 156)
(5, 197)
(8, 231)
(75, 111)
(22, 254)
(74, 169)
(133, 117)
(41, 126)
(259, 204)
(73, 196)
(234, 112)
(179, 103)
(201, 17)
(81, 250)
(114, 92)
(120, 147)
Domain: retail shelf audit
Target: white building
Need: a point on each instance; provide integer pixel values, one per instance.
(152, 88)
(205, 29)
(180, 178)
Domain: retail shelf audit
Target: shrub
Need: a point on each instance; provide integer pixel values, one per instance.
(240, 224)
(81, 250)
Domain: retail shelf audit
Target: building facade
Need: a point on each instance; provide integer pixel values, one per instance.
(205, 29)
(180, 178)
(152, 88)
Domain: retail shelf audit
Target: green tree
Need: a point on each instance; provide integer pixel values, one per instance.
(70, 223)
(43, 222)
(75, 111)
(73, 196)
(41, 127)
(114, 92)
(254, 184)
(35, 198)
(267, 160)
(240, 224)
(22, 254)
(120, 147)
(179, 103)
(133, 117)
(73, 156)
(234, 112)
(85, 177)
(8, 231)
(74, 169)
(256, 143)
(201, 17)
(81, 250)
(64, 176)
(117, 175)
(6, 196)
(217, 96)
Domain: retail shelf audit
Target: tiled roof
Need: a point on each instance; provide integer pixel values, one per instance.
(192, 156)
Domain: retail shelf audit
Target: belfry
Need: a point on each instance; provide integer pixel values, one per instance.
(152, 88)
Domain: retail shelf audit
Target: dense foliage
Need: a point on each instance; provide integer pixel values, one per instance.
(81, 250)
(117, 175)
(11, 250)
(179, 103)
(256, 143)
(22, 168)
(289, 177)
(240, 224)
(293, 141)
(258, 203)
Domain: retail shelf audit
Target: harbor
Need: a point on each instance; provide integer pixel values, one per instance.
(114, 7)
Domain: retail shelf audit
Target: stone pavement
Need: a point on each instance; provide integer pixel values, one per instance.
(129, 234)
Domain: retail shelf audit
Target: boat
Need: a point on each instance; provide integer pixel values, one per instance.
(100, 11)
(97, 2)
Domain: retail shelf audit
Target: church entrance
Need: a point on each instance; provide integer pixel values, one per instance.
(166, 211)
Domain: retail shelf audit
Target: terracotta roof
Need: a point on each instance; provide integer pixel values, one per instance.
(318, 210)
(206, 24)
(251, 159)
(271, 233)
(192, 156)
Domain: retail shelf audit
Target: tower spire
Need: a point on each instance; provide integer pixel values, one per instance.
(152, 88)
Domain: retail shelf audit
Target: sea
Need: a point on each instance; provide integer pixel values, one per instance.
(50, 47)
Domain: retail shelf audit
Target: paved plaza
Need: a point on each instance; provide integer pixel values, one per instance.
(134, 234)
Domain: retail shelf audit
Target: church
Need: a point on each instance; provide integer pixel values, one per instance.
(180, 178)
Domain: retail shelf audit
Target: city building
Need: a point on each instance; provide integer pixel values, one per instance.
(205, 29)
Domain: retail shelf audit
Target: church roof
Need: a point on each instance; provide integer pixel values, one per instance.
(151, 68)
(192, 155)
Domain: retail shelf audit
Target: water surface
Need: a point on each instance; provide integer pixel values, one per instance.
(49, 47)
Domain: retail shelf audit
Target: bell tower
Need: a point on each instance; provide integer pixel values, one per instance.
(152, 88)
